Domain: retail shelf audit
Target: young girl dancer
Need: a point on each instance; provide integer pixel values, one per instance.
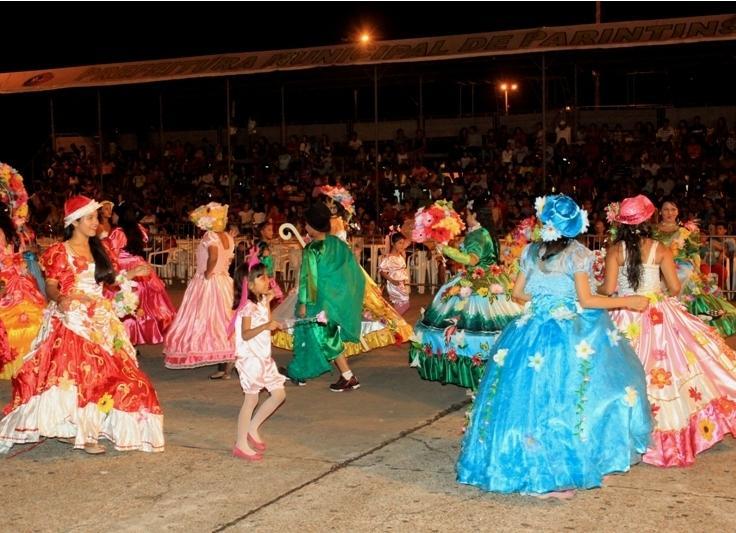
(393, 270)
(252, 324)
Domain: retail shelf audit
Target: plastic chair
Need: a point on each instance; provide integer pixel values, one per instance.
(164, 262)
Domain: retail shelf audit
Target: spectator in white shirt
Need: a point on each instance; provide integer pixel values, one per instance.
(563, 131)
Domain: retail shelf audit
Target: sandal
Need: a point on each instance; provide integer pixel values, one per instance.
(220, 374)
(66, 440)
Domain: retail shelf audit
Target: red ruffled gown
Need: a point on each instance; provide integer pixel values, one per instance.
(82, 380)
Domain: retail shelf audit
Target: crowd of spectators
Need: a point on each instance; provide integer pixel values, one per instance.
(692, 162)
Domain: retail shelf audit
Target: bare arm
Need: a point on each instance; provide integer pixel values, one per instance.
(248, 332)
(608, 286)
(54, 293)
(594, 301)
(518, 294)
(211, 261)
(138, 271)
(52, 290)
(669, 272)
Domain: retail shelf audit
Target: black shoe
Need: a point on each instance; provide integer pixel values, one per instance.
(345, 384)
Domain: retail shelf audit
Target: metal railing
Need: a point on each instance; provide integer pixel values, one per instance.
(172, 252)
(717, 259)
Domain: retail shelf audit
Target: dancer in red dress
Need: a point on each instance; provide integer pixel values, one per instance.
(80, 381)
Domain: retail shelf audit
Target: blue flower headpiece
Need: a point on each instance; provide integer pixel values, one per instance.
(560, 217)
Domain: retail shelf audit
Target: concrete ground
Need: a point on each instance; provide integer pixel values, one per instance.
(377, 459)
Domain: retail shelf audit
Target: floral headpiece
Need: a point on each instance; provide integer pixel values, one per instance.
(339, 195)
(13, 194)
(210, 217)
(560, 217)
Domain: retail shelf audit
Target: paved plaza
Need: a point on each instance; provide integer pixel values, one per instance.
(377, 459)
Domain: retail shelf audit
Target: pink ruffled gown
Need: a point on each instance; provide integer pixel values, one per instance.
(198, 336)
(691, 372)
(155, 310)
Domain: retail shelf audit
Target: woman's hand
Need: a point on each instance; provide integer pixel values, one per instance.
(138, 271)
(275, 324)
(65, 302)
(638, 303)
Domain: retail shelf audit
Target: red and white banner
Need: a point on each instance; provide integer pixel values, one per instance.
(610, 35)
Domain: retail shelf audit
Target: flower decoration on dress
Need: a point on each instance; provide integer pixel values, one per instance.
(210, 217)
(439, 222)
(490, 283)
(125, 301)
(630, 396)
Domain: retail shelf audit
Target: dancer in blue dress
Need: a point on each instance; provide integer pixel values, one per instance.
(563, 400)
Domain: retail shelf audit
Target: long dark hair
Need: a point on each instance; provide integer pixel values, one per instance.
(396, 237)
(485, 219)
(128, 222)
(632, 236)
(242, 273)
(552, 248)
(8, 227)
(104, 271)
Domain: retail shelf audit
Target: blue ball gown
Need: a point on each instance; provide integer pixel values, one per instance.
(563, 400)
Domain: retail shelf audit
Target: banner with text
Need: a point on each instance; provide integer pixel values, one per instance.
(610, 35)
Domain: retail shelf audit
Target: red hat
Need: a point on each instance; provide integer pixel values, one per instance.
(633, 211)
(78, 206)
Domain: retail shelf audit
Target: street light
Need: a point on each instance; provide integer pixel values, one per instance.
(365, 38)
(506, 87)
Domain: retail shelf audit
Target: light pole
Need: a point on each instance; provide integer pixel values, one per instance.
(366, 39)
(506, 87)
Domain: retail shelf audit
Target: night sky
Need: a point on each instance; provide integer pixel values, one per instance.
(116, 32)
(129, 31)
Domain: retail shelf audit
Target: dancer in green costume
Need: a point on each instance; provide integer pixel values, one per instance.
(330, 282)
(454, 337)
(697, 291)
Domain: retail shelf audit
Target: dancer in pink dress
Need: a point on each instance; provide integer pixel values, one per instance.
(691, 372)
(155, 310)
(393, 269)
(252, 325)
(198, 336)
